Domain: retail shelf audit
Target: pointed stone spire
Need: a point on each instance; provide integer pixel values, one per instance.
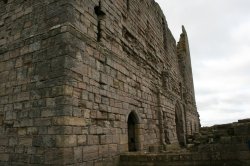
(185, 64)
(183, 29)
(183, 42)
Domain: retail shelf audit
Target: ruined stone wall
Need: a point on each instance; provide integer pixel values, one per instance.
(186, 159)
(226, 144)
(73, 72)
(188, 95)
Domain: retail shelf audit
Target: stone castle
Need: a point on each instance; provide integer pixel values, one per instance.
(84, 81)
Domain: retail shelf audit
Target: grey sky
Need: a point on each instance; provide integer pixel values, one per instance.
(219, 38)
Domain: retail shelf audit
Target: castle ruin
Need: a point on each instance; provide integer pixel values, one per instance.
(83, 81)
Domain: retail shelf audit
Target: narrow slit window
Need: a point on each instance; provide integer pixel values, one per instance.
(128, 5)
(100, 14)
(164, 34)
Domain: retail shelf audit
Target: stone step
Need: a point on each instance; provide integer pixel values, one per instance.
(186, 159)
(174, 148)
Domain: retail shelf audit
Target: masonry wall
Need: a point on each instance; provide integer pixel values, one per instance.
(74, 70)
(188, 95)
(226, 144)
(35, 104)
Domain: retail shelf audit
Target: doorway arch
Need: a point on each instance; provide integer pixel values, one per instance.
(133, 132)
(180, 128)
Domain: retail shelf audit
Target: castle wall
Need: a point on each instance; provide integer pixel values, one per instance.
(226, 144)
(34, 98)
(73, 72)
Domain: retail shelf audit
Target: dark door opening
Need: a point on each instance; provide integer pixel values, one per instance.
(179, 126)
(131, 133)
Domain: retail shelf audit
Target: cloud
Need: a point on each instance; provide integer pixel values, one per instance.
(219, 39)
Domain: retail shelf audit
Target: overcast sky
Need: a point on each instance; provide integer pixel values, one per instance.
(219, 40)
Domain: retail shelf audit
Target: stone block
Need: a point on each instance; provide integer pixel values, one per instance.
(66, 140)
(42, 122)
(225, 140)
(2, 42)
(60, 130)
(103, 139)
(22, 131)
(68, 90)
(25, 141)
(13, 141)
(49, 140)
(104, 78)
(113, 149)
(44, 141)
(104, 151)
(32, 130)
(10, 115)
(50, 102)
(3, 141)
(37, 159)
(81, 140)
(84, 95)
(18, 106)
(244, 120)
(34, 46)
(69, 121)
(48, 113)
(243, 155)
(26, 123)
(23, 96)
(4, 157)
(59, 156)
(241, 129)
(57, 90)
(90, 153)
(92, 139)
(78, 154)
(1, 119)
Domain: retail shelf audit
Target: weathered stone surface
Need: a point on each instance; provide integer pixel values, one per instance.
(66, 140)
(225, 149)
(85, 81)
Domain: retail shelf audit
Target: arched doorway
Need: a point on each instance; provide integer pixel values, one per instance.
(179, 121)
(133, 140)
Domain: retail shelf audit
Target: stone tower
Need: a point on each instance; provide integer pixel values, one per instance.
(83, 81)
(185, 66)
